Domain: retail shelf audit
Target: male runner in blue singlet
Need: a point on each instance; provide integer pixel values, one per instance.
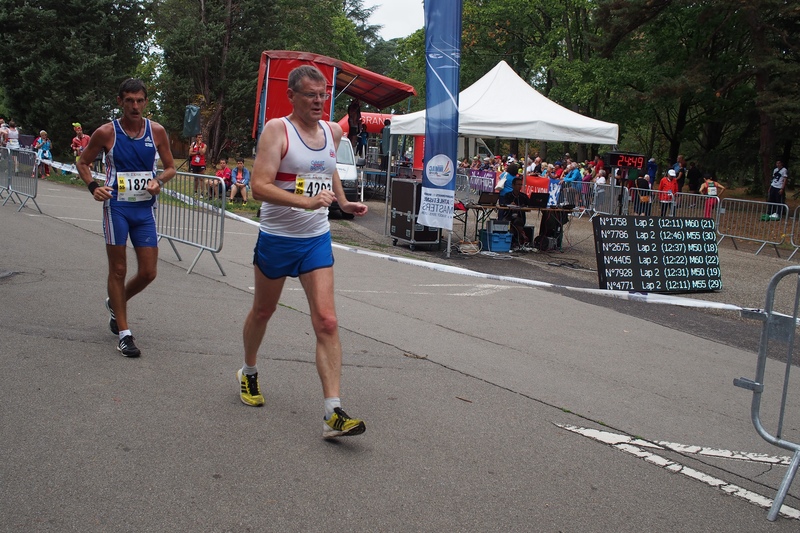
(129, 200)
(295, 176)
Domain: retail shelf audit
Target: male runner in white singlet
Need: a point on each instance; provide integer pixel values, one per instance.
(129, 200)
(294, 174)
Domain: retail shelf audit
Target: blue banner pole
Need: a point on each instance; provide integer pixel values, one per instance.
(443, 62)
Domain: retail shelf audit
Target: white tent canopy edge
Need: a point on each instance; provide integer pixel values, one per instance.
(501, 104)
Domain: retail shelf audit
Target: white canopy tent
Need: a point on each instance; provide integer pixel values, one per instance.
(501, 104)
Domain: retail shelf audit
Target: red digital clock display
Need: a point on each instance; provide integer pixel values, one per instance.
(621, 160)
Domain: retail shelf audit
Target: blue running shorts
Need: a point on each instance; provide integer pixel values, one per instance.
(277, 257)
(138, 222)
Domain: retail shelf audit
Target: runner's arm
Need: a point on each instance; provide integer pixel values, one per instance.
(354, 208)
(271, 147)
(164, 152)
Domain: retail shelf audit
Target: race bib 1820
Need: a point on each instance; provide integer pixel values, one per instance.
(131, 186)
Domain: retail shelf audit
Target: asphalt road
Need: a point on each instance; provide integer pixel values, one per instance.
(467, 386)
(745, 275)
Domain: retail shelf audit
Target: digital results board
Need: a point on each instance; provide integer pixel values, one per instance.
(654, 254)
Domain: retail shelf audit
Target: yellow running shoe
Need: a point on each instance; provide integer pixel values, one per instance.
(341, 425)
(249, 393)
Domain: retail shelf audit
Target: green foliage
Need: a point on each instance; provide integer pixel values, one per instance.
(3, 104)
(678, 76)
(351, 46)
(381, 56)
(409, 66)
(63, 61)
(715, 80)
(211, 51)
(366, 34)
(212, 48)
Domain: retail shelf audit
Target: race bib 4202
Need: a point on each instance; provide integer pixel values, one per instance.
(311, 185)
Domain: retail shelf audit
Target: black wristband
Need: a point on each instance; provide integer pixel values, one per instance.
(92, 186)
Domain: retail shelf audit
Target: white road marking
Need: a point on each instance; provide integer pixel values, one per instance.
(635, 447)
(68, 218)
(57, 195)
(470, 289)
(100, 220)
(726, 454)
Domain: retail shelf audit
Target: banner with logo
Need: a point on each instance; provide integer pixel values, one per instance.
(443, 62)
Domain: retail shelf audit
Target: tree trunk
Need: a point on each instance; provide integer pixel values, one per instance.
(786, 157)
(217, 139)
(651, 141)
(761, 51)
(714, 131)
(580, 155)
(680, 125)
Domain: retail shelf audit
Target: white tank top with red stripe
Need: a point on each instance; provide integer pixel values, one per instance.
(315, 168)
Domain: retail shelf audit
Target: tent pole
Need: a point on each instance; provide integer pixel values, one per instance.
(449, 240)
(525, 155)
(386, 190)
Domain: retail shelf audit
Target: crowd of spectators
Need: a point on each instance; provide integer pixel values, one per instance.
(43, 145)
(236, 179)
(576, 179)
(682, 176)
(11, 137)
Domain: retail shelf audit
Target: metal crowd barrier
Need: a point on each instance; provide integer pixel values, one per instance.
(664, 204)
(762, 222)
(692, 205)
(780, 329)
(795, 232)
(469, 188)
(580, 194)
(191, 210)
(645, 208)
(585, 199)
(749, 220)
(463, 193)
(20, 168)
(610, 199)
(5, 173)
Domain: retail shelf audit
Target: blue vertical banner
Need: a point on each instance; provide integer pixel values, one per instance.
(443, 64)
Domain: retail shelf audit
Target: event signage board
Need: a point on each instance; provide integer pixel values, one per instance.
(654, 254)
(482, 180)
(442, 61)
(625, 160)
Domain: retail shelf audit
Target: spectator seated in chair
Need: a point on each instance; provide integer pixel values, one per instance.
(521, 235)
(551, 230)
(240, 180)
(224, 173)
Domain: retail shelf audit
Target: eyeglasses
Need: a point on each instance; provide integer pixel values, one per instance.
(315, 96)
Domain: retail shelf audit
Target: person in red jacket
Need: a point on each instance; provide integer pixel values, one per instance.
(224, 173)
(668, 186)
(79, 142)
(197, 162)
